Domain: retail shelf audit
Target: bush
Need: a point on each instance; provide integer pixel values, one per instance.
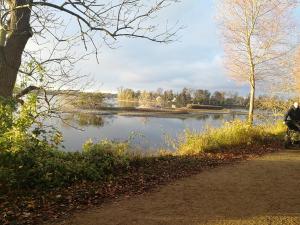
(14, 124)
(19, 126)
(29, 157)
(106, 157)
(44, 168)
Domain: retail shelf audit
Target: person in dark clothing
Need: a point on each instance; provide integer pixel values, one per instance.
(292, 117)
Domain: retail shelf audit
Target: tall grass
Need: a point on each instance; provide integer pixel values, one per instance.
(42, 167)
(231, 134)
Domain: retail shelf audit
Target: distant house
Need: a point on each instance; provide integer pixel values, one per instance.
(173, 103)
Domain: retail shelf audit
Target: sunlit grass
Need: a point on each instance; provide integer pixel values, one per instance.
(231, 134)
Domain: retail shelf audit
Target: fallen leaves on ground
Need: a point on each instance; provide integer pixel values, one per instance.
(142, 175)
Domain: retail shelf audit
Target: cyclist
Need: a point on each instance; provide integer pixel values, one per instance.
(292, 117)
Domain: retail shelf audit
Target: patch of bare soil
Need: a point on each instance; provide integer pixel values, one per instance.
(262, 191)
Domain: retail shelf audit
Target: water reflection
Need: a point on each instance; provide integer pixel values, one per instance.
(218, 116)
(202, 117)
(146, 133)
(85, 119)
(144, 120)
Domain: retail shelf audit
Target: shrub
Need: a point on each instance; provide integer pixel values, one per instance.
(43, 167)
(29, 157)
(106, 156)
(15, 124)
(20, 127)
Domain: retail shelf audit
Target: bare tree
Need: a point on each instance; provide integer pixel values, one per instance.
(66, 22)
(257, 36)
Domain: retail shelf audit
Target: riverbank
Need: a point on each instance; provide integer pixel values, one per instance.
(143, 175)
(39, 183)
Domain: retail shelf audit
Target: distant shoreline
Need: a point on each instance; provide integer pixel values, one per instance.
(151, 112)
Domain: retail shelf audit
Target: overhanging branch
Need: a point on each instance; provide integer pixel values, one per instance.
(26, 91)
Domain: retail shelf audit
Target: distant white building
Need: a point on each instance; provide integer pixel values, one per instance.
(174, 101)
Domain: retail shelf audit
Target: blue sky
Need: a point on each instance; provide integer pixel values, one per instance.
(195, 61)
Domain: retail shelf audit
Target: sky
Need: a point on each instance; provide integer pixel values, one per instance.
(194, 61)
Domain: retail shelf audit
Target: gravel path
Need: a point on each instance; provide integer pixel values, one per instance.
(261, 191)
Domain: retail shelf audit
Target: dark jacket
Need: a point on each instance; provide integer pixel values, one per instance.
(293, 114)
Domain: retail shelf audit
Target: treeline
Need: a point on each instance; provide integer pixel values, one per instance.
(88, 100)
(78, 93)
(184, 97)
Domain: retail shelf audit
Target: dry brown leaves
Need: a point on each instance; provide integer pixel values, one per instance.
(143, 175)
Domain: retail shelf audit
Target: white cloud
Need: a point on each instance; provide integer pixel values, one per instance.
(195, 61)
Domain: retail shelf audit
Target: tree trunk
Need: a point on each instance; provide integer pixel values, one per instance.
(8, 76)
(251, 81)
(11, 49)
(251, 102)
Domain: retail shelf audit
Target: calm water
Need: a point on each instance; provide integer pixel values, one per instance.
(147, 133)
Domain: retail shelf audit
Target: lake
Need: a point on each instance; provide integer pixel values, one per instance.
(144, 133)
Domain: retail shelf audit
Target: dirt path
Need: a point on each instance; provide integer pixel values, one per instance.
(261, 191)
